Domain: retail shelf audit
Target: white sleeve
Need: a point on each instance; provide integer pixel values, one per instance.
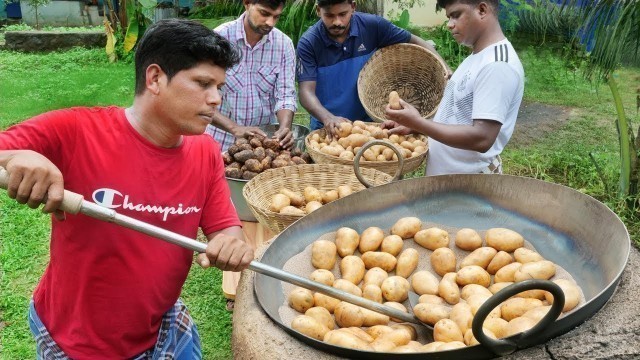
(494, 89)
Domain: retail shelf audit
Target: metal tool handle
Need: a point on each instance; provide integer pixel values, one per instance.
(503, 347)
(356, 161)
(74, 203)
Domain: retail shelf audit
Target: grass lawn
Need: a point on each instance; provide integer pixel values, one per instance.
(31, 84)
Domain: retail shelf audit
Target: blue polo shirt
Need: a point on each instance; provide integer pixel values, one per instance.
(335, 67)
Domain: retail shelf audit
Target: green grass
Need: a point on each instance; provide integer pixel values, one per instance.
(34, 83)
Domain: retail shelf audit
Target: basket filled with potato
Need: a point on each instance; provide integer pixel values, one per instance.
(279, 196)
(324, 149)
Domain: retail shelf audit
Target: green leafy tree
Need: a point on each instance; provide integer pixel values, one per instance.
(37, 4)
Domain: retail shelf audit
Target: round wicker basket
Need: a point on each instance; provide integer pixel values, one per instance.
(387, 167)
(414, 72)
(324, 177)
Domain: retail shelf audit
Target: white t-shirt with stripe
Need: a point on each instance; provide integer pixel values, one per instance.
(488, 85)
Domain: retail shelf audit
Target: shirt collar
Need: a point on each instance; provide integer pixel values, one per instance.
(354, 31)
(240, 34)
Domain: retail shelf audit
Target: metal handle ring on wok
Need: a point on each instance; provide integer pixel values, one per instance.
(367, 145)
(503, 347)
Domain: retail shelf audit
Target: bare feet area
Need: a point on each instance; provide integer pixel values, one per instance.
(535, 120)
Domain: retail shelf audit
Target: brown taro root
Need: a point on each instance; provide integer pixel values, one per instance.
(260, 153)
(244, 155)
(296, 152)
(235, 165)
(272, 144)
(266, 163)
(233, 149)
(307, 158)
(233, 172)
(241, 141)
(228, 159)
(298, 160)
(270, 153)
(255, 142)
(278, 163)
(248, 175)
(253, 165)
(245, 147)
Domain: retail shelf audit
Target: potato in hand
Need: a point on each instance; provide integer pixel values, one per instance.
(394, 101)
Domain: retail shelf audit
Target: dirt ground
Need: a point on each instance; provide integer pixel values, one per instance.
(535, 120)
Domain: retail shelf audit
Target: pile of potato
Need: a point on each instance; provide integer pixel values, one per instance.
(450, 294)
(293, 203)
(246, 158)
(354, 135)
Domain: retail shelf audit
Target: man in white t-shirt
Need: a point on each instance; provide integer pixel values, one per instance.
(478, 111)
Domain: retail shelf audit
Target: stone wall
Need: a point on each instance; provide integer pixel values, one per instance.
(31, 41)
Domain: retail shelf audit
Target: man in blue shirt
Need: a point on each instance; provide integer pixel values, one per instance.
(331, 54)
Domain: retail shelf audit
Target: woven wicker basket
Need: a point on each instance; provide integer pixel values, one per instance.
(413, 71)
(324, 177)
(387, 167)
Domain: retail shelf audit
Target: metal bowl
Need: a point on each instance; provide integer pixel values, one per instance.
(236, 185)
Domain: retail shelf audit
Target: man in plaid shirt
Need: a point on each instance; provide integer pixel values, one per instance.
(261, 89)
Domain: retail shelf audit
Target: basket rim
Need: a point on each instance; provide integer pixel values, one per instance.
(378, 53)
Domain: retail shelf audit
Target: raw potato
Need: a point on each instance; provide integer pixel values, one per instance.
(431, 299)
(494, 288)
(471, 340)
(295, 198)
(278, 202)
(446, 330)
(572, 294)
(518, 325)
(348, 315)
(347, 241)
(352, 269)
(394, 101)
(291, 210)
(312, 206)
(432, 238)
(431, 347)
(323, 276)
(395, 288)
(516, 307)
(502, 258)
(370, 239)
(443, 260)
(344, 190)
(503, 239)
(309, 326)
(431, 313)
(325, 301)
(507, 273)
(322, 315)
(344, 129)
(424, 282)
(537, 313)
(330, 196)
(383, 260)
(480, 257)
(524, 255)
(406, 227)
(452, 346)
(498, 326)
(473, 289)
(448, 289)
(301, 299)
(463, 317)
(375, 276)
(397, 336)
(372, 318)
(468, 239)
(396, 305)
(476, 300)
(359, 333)
(376, 330)
(348, 286)
(407, 262)
(473, 274)
(346, 339)
(372, 292)
(392, 244)
(541, 270)
(323, 254)
(312, 194)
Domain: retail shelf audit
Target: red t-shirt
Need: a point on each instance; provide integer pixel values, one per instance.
(106, 288)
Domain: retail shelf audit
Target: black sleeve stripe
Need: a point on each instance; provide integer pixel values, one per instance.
(506, 53)
(501, 54)
(495, 50)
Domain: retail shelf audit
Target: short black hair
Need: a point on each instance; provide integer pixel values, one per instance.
(325, 3)
(444, 3)
(273, 4)
(179, 44)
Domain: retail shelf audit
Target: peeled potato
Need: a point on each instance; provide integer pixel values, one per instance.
(309, 326)
(329, 196)
(301, 299)
(468, 239)
(432, 238)
(347, 241)
(392, 244)
(406, 227)
(344, 190)
(323, 276)
(323, 254)
(291, 210)
(312, 194)
(295, 198)
(278, 202)
(503, 239)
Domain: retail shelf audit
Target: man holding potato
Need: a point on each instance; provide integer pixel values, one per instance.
(109, 292)
(478, 111)
(331, 54)
(261, 88)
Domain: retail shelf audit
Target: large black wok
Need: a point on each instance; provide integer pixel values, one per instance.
(565, 226)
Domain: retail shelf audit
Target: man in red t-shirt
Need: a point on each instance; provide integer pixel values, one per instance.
(110, 292)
